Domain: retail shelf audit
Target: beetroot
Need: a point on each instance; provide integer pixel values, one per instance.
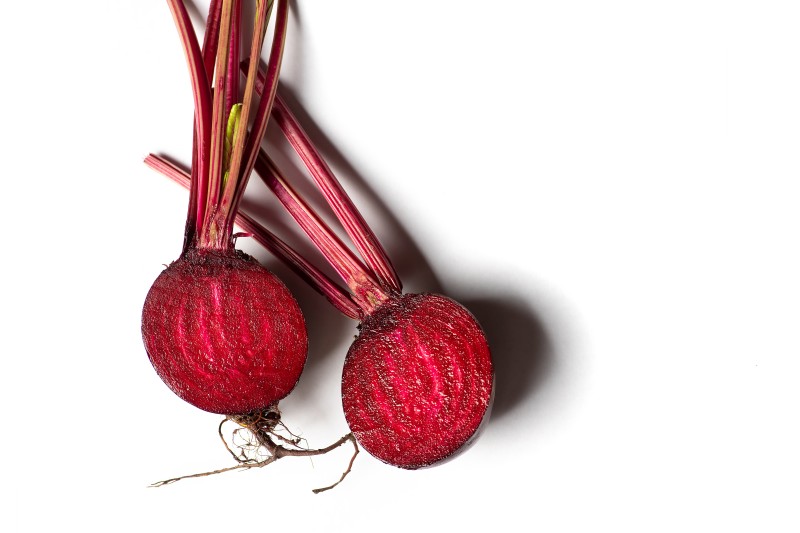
(224, 333)
(417, 381)
(221, 331)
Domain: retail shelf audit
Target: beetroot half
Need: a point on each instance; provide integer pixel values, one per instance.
(221, 331)
(224, 333)
(417, 382)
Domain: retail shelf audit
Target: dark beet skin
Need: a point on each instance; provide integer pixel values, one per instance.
(224, 333)
(417, 382)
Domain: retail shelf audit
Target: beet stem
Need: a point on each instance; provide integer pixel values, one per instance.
(364, 239)
(202, 107)
(318, 280)
(197, 194)
(357, 228)
(234, 52)
(367, 292)
(212, 234)
(237, 181)
(225, 177)
(268, 91)
(211, 38)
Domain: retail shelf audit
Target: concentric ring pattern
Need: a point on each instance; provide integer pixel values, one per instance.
(224, 333)
(417, 382)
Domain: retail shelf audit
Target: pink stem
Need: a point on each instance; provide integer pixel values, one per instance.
(237, 180)
(202, 108)
(197, 195)
(211, 37)
(348, 214)
(315, 278)
(367, 292)
(268, 90)
(354, 224)
(212, 234)
(312, 275)
(232, 78)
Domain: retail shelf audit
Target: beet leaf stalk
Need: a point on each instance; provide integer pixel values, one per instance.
(353, 222)
(336, 295)
(221, 331)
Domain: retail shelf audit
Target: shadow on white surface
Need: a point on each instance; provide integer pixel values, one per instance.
(521, 349)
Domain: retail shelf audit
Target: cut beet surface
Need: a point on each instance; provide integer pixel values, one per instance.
(223, 332)
(417, 382)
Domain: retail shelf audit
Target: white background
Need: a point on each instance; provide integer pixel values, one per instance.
(612, 187)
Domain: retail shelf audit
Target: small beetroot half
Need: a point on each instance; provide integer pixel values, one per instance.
(417, 382)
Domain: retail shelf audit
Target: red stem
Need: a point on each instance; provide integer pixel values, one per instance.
(212, 234)
(312, 275)
(197, 194)
(370, 285)
(367, 292)
(232, 78)
(202, 109)
(364, 239)
(267, 96)
(237, 180)
(211, 37)
(354, 224)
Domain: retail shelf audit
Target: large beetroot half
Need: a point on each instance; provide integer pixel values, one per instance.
(224, 333)
(417, 382)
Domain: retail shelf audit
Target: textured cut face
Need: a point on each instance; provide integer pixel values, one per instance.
(417, 382)
(224, 333)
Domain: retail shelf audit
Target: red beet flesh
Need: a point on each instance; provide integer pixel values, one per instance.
(417, 382)
(223, 332)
